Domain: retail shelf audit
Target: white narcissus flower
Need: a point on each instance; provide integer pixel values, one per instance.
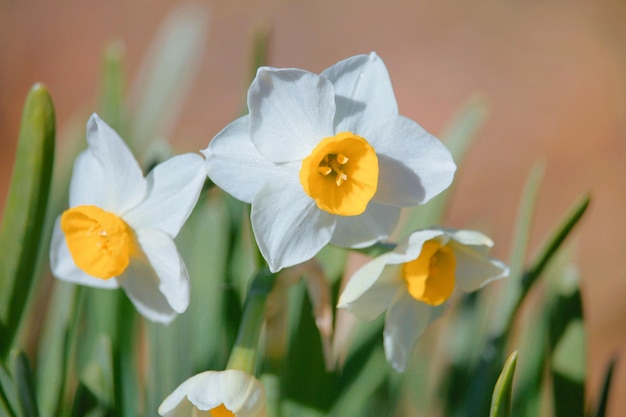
(326, 159)
(229, 393)
(119, 230)
(414, 281)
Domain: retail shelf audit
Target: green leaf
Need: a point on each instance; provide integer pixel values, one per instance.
(112, 104)
(606, 387)
(25, 211)
(260, 47)
(8, 394)
(53, 356)
(166, 75)
(568, 347)
(25, 385)
(501, 398)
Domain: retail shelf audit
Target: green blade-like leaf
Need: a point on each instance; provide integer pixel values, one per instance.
(25, 211)
(8, 396)
(166, 75)
(606, 387)
(24, 382)
(501, 398)
(112, 97)
(568, 347)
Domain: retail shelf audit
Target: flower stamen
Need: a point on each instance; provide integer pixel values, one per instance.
(341, 174)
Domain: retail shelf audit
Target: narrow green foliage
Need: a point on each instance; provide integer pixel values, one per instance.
(243, 354)
(501, 398)
(603, 398)
(166, 75)
(24, 382)
(25, 211)
(261, 37)
(567, 344)
(113, 91)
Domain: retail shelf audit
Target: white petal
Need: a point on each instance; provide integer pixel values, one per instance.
(240, 393)
(170, 269)
(291, 110)
(475, 268)
(173, 190)
(414, 166)
(375, 224)
(405, 322)
(364, 95)
(176, 404)
(235, 164)
(64, 268)
(410, 248)
(372, 289)
(142, 288)
(117, 176)
(87, 181)
(470, 237)
(288, 226)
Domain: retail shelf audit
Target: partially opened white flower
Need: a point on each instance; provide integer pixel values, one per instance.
(119, 230)
(326, 159)
(229, 393)
(414, 282)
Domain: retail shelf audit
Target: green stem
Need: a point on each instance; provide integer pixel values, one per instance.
(243, 355)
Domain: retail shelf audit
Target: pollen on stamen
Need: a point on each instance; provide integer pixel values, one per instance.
(341, 177)
(342, 159)
(324, 170)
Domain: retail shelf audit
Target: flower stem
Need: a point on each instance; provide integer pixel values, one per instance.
(243, 354)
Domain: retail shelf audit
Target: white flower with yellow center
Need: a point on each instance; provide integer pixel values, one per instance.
(326, 159)
(119, 230)
(414, 282)
(229, 393)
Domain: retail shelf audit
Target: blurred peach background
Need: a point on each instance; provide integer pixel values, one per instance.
(554, 71)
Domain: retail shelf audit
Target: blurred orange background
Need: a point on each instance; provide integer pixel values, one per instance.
(554, 72)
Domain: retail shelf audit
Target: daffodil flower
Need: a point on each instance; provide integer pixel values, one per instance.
(414, 281)
(119, 230)
(229, 393)
(326, 159)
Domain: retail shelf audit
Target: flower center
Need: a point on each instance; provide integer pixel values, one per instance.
(221, 411)
(430, 278)
(100, 242)
(341, 174)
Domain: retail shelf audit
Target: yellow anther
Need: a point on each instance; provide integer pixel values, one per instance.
(342, 159)
(324, 170)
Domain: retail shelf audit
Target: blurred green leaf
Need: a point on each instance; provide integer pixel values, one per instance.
(567, 341)
(8, 394)
(484, 373)
(603, 398)
(55, 347)
(24, 215)
(523, 223)
(24, 382)
(167, 74)
(460, 133)
(371, 374)
(260, 48)
(501, 398)
(112, 91)
(198, 339)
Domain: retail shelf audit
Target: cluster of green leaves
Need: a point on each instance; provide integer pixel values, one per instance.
(96, 357)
